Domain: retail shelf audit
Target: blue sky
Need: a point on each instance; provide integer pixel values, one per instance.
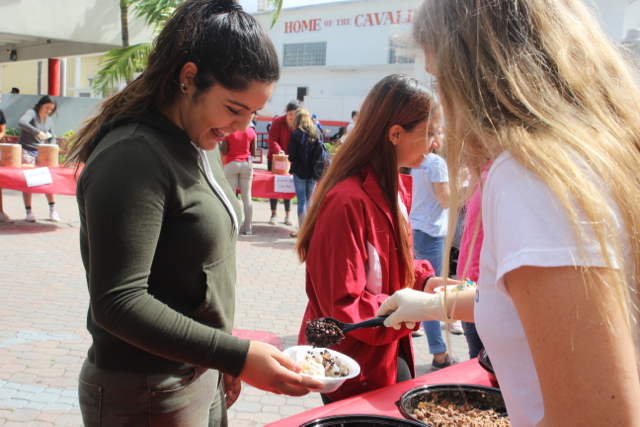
(252, 5)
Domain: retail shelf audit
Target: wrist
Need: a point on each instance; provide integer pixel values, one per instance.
(424, 285)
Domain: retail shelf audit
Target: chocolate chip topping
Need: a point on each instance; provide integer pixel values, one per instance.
(323, 333)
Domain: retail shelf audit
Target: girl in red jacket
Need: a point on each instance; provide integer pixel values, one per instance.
(355, 238)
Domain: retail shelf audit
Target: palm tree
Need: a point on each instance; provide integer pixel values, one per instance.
(120, 65)
(276, 6)
(124, 22)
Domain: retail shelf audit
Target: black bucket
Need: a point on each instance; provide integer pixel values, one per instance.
(481, 397)
(362, 420)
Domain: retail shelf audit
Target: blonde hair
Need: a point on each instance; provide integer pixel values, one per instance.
(540, 80)
(303, 121)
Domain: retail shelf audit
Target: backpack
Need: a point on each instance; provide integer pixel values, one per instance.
(320, 160)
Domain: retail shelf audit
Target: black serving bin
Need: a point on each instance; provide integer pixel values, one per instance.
(480, 397)
(362, 420)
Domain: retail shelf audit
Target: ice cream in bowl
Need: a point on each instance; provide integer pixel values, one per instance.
(329, 367)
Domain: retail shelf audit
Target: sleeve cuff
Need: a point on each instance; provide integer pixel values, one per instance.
(230, 354)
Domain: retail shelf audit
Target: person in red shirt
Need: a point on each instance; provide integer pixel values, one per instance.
(239, 149)
(356, 237)
(279, 134)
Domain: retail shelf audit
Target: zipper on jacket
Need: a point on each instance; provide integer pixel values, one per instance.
(216, 187)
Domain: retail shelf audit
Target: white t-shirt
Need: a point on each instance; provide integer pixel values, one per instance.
(426, 213)
(350, 127)
(524, 224)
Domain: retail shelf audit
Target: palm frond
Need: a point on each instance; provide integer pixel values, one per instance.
(155, 12)
(276, 6)
(119, 65)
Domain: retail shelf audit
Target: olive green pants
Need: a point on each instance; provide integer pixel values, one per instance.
(190, 397)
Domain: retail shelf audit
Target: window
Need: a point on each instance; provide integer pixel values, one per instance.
(399, 52)
(305, 54)
(301, 93)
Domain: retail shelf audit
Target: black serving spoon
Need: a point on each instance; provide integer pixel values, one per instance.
(348, 327)
(327, 331)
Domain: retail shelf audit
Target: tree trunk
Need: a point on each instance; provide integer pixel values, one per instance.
(124, 22)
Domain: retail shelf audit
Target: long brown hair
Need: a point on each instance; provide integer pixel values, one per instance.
(228, 46)
(395, 100)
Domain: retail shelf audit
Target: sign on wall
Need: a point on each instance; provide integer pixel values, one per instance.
(361, 20)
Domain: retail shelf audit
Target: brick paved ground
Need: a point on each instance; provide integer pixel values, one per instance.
(43, 340)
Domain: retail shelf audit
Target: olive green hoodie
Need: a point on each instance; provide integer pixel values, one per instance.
(158, 246)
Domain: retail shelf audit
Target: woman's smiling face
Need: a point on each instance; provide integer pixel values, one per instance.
(215, 114)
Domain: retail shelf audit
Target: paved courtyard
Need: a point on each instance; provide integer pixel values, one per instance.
(44, 299)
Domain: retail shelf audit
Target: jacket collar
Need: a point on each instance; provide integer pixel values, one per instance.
(371, 186)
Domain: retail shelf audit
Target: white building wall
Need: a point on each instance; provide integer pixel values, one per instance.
(631, 17)
(357, 34)
(611, 14)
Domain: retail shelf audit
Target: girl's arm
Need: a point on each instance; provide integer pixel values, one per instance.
(411, 306)
(443, 194)
(253, 146)
(25, 122)
(581, 345)
(53, 139)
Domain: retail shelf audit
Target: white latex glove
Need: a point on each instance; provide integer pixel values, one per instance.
(42, 135)
(411, 306)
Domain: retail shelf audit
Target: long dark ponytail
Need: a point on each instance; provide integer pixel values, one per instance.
(228, 46)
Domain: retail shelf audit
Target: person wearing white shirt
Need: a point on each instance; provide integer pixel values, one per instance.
(537, 85)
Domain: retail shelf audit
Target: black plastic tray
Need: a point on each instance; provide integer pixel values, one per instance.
(480, 397)
(362, 420)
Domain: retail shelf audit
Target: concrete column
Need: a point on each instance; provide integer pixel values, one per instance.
(63, 77)
(54, 77)
(40, 79)
(78, 73)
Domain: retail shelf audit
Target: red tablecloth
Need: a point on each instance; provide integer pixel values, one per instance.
(262, 186)
(64, 181)
(382, 401)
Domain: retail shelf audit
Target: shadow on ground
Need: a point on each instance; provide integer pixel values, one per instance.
(24, 227)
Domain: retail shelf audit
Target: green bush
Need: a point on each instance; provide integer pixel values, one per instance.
(12, 131)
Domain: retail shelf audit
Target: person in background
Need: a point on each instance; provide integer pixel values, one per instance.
(279, 135)
(303, 140)
(537, 86)
(348, 129)
(36, 128)
(469, 256)
(429, 217)
(356, 237)
(352, 123)
(316, 122)
(3, 124)
(159, 226)
(239, 149)
(15, 90)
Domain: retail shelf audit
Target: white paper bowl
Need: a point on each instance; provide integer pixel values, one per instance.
(298, 354)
